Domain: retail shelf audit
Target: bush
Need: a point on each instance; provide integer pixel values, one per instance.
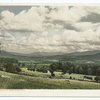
(70, 77)
(28, 68)
(96, 78)
(18, 69)
(52, 74)
(44, 71)
(38, 70)
(1, 69)
(33, 69)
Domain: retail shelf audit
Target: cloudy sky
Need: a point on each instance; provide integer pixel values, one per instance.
(66, 29)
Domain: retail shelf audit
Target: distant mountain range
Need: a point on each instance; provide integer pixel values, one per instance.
(40, 54)
(37, 54)
(79, 57)
(83, 53)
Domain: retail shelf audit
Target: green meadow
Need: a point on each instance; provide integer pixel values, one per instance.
(15, 81)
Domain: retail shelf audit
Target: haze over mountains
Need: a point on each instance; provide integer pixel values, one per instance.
(36, 54)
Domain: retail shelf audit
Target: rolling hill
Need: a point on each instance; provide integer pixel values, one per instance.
(48, 57)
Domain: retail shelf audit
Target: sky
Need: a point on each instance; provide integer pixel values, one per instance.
(66, 29)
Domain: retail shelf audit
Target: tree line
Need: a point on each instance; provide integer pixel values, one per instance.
(68, 67)
(8, 60)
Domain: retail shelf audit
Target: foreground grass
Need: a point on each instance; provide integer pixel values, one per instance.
(15, 81)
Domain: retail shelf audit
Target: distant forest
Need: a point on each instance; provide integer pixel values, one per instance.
(8, 60)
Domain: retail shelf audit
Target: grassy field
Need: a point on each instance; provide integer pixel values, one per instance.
(14, 81)
(58, 74)
(34, 72)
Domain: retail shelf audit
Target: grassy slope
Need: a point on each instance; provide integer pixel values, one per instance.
(40, 83)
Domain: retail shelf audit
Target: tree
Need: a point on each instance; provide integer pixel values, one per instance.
(33, 69)
(96, 78)
(94, 70)
(23, 64)
(89, 71)
(81, 71)
(53, 67)
(51, 71)
(10, 68)
(64, 70)
(70, 77)
(98, 71)
(70, 70)
(19, 64)
(59, 65)
(44, 70)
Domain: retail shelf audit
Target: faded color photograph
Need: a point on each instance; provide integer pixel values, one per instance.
(49, 47)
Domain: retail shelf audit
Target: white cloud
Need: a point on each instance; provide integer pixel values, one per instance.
(31, 20)
(69, 15)
(5, 36)
(9, 37)
(93, 9)
(83, 26)
(44, 33)
(7, 16)
(84, 36)
(58, 26)
(28, 40)
(68, 41)
(41, 41)
(48, 26)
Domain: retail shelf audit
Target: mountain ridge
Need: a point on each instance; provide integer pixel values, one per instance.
(50, 53)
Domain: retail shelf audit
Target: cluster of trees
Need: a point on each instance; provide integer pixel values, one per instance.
(43, 69)
(31, 69)
(9, 67)
(21, 64)
(68, 67)
(8, 60)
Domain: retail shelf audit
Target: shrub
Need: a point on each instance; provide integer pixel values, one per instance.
(44, 71)
(70, 77)
(96, 78)
(52, 74)
(19, 64)
(18, 69)
(28, 68)
(33, 69)
(49, 76)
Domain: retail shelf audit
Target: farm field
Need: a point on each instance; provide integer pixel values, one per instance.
(15, 81)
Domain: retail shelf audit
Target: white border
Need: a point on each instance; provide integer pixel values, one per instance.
(50, 93)
(49, 1)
